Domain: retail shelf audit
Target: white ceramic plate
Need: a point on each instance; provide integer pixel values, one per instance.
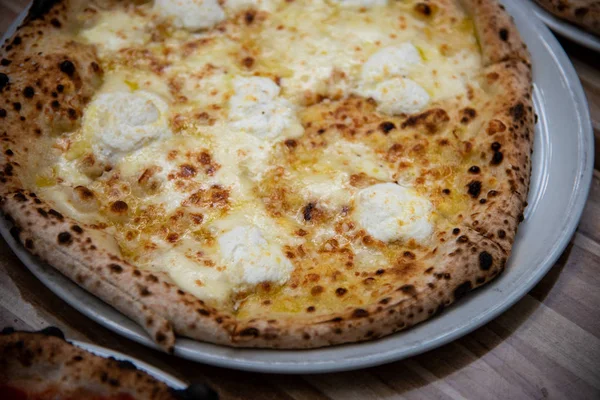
(565, 28)
(156, 373)
(562, 171)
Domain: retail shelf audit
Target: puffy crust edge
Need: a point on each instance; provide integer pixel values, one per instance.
(153, 301)
(497, 33)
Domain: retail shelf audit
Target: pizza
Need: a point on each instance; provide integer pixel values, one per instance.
(585, 13)
(264, 173)
(43, 366)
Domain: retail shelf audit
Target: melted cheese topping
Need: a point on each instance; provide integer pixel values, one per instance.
(250, 147)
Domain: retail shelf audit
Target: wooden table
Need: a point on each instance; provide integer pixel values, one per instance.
(546, 346)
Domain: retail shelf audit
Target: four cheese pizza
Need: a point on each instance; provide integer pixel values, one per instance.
(268, 173)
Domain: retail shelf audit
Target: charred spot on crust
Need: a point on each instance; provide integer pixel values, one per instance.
(29, 243)
(124, 364)
(408, 289)
(144, 291)
(250, 332)
(2, 113)
(581, 12)
(496, 146)
(160, 337)
(468, 114)
(249, 16)
(56, 214)
(455, 231)
(203, 312)
(360, 313)
(310, 309)
(503, 33)
(67, 67)
(462, 289)
(291, 143)
(4, 80)
(42, 212)
(497, 158)
(386, 127)
(462, 239)
(15, 232)
(77, 229)
(116, 268)
(341, 291)
(517, 111)
(20, 197)
(474, 189)
(485, 260)
(501, 233)
(17, 106)
(5, 62)
(474, 169)
(64, 238)
(28, 92)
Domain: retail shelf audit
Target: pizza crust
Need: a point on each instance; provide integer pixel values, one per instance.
(469, 255)
(585, 13)
(38, 362)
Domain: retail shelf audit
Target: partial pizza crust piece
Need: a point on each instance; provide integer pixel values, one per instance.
(43, 362)
(585, 13)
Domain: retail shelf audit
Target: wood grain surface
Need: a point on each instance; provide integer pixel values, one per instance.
(546, 346)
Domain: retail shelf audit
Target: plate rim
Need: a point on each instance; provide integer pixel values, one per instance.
(576, 204)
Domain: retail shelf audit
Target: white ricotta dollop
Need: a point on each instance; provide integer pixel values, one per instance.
(383, 78)
(397, 96)
(122, 122)
(257, 109)
(250, 259)
(192, 15)
(389, 62)
(361, 3)
(389, 212)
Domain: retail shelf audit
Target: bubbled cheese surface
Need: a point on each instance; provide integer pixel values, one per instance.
(258, 145)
